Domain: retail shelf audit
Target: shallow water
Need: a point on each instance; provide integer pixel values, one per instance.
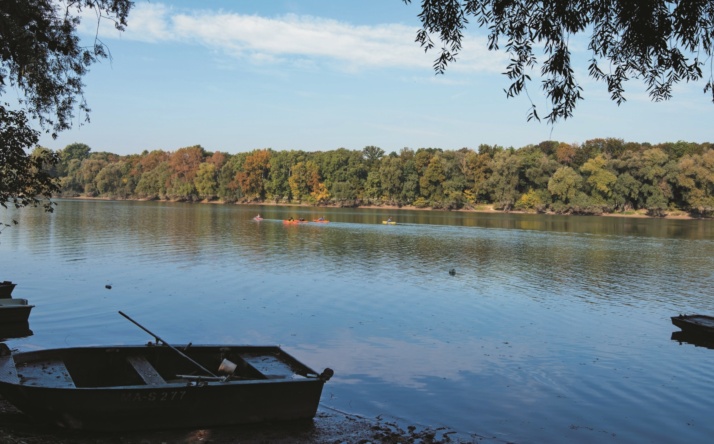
(553, 329)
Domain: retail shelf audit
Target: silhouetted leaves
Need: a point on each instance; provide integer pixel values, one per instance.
(661, 42)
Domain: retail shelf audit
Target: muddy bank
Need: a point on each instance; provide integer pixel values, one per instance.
(328, 427)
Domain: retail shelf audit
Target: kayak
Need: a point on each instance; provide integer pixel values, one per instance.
(389, 222)
(323, 221)
(257, 218)
(294, 222)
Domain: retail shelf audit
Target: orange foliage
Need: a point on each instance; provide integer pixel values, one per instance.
(185, 161)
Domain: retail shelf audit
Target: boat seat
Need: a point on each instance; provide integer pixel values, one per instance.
(147, 371)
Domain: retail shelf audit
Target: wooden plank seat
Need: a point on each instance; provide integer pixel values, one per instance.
(147, 371)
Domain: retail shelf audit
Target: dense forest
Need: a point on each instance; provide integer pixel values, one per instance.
(596, 177)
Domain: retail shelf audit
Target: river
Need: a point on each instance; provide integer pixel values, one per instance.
(506, 327)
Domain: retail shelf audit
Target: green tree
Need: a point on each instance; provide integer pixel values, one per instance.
(228, 188)
(42, 63)
(536, 168)
(391, 177)
(24, 179)
(112, 181)
(372, 156)
(695, 180)
(661, 42)
(504, 180)
(154, 183)
(277, 187)
(205, 181)
(373, 187)
(430, 183)
(477, 171)
(565, 184)
(599, 178)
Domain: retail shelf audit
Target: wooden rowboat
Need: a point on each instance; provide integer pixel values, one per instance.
(159, 386)
(14, 310)
(148, 387)
(699, 324)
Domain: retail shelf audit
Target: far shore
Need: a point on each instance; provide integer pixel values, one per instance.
(481, 208)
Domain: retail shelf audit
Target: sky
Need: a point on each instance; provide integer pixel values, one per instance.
(317, 75)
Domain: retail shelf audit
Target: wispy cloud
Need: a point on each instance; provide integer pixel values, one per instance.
(294, 39)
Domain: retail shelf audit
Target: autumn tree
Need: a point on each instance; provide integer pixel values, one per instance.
(304, 180)
(254, 174)
(184, 164)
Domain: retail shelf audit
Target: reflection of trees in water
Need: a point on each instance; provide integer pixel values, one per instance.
(593, 258)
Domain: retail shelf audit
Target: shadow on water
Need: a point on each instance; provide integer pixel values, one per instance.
(15, 330)
(695, 339)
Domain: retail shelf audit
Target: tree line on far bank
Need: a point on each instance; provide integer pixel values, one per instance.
(596, 177)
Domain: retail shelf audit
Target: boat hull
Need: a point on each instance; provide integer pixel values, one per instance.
(698, 324)
(14, 311)
(95, 389)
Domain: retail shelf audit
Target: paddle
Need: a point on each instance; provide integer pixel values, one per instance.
(158, 339)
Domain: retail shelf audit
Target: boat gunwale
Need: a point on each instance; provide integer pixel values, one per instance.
(42, 357)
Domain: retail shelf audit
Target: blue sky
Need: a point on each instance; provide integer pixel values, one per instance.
(318, 75)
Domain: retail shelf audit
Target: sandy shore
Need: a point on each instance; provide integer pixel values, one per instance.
(484, 208)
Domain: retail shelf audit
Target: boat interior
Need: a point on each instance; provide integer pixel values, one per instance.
(155, 366)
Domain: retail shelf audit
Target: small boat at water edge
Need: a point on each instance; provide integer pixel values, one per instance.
(696, 323)
(12, 310)
(321, 221)
(159, 386)
(257, 218)
(6, 288)
(389, 222)
(294, 221)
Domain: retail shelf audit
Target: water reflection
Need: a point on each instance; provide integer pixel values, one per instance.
(552, 328)
(15, 330)
(698, 340)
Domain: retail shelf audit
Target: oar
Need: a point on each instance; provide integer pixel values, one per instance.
(158, 339)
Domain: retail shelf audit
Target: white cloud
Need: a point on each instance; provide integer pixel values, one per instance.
(294, 39)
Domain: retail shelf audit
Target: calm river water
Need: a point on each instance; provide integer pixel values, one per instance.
(553, 329)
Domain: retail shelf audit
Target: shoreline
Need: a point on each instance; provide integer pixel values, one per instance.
(483, 208)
